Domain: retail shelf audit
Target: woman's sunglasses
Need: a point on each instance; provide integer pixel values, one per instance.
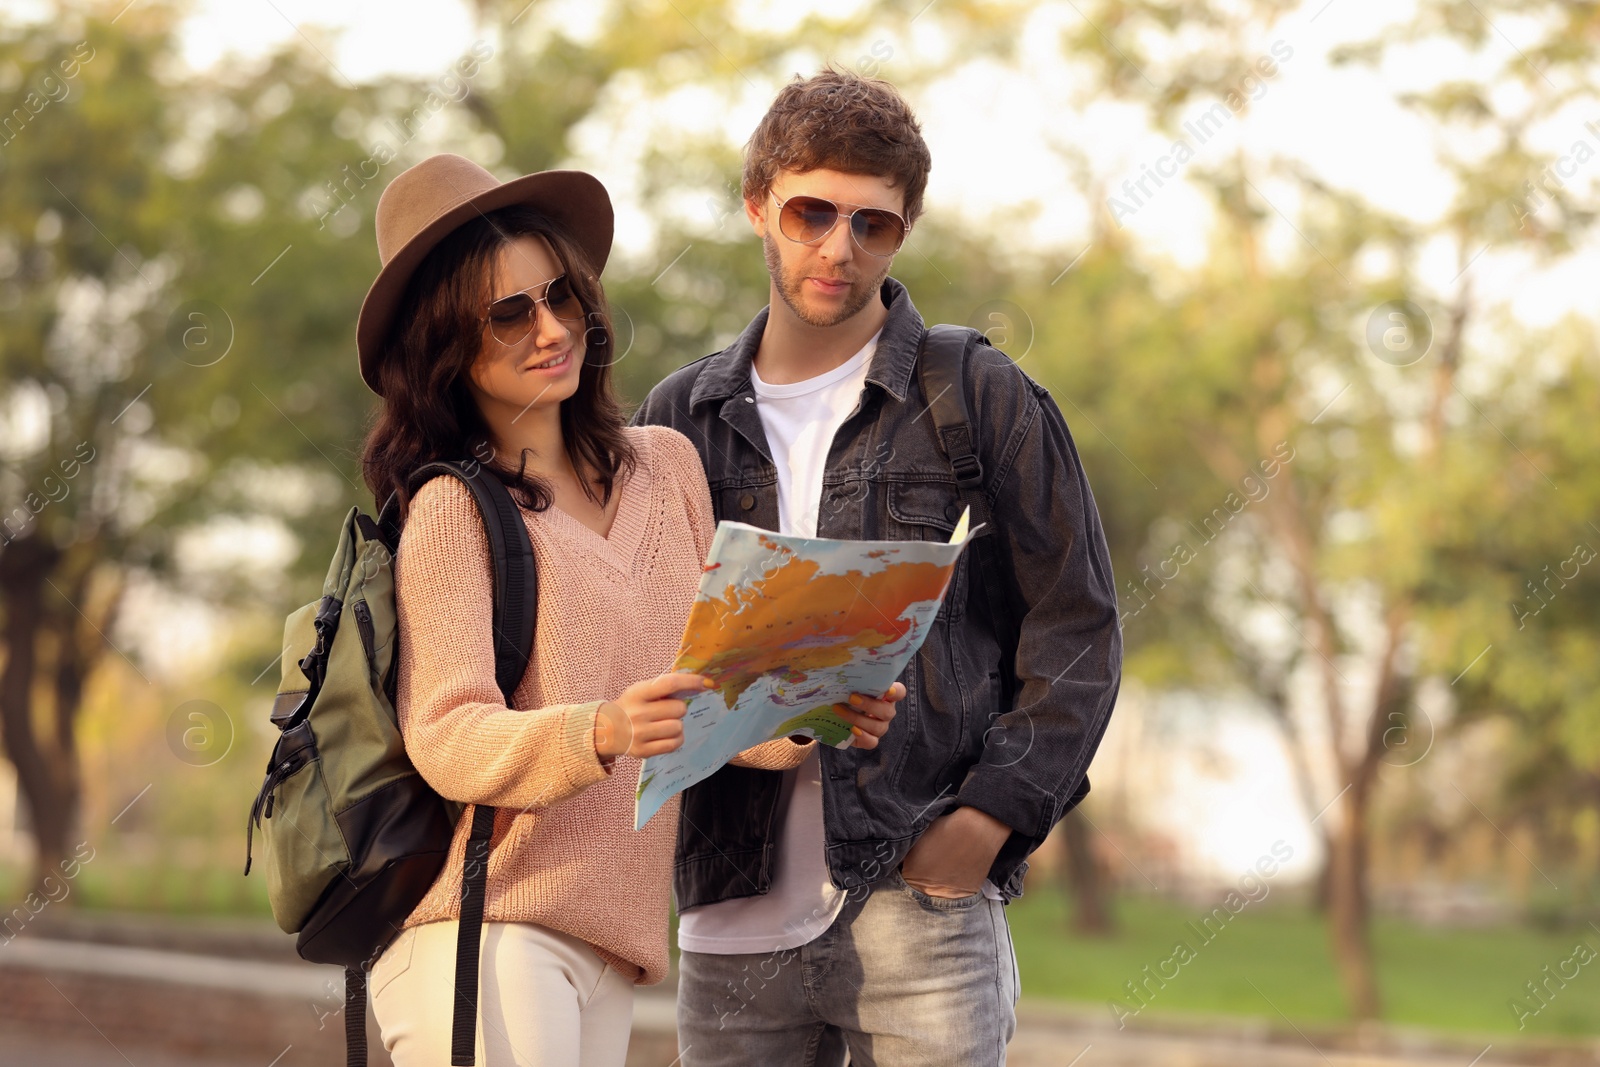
(511, 317)
(808, 219)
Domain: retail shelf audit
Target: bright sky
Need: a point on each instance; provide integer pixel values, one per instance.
(992, 132)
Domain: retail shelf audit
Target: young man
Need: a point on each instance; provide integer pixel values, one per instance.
(858, 901)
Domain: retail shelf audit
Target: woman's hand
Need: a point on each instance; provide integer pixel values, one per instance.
(645, 720)
(869, 716)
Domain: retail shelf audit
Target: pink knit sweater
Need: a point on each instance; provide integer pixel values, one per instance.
(611, 612)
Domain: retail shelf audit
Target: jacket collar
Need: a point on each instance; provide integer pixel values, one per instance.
(728, 372)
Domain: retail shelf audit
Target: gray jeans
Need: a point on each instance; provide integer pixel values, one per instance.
(900, 979)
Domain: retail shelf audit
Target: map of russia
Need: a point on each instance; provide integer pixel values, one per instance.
(787, 627)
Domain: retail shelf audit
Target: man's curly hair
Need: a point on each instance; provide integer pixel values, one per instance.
(839, 120)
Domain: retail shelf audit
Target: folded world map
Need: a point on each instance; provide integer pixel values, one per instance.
(787, 627)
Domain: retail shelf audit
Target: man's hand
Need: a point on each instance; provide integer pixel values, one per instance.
(869, 717)
(954, 854)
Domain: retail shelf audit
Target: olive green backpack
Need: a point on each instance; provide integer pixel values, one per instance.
(355, 837)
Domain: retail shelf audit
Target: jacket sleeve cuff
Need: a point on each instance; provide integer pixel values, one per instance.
(1011, 798)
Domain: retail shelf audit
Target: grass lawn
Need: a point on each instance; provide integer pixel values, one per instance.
(104, 884)
(1458, 981)
(1449, 980)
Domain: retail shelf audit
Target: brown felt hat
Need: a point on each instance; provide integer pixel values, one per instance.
(423, 204)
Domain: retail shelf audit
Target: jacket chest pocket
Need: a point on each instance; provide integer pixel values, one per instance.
(928, 511)
(756, 505)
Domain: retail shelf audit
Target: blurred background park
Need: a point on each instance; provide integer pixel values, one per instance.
(1313, 283)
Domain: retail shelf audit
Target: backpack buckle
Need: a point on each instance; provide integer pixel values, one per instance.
(969, 470)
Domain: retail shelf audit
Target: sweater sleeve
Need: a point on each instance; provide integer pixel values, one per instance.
(459, 733)
(779, 754)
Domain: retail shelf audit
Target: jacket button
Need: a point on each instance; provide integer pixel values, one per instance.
(950, 512)
(747, 501)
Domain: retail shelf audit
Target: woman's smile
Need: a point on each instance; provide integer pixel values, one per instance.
(553, 363)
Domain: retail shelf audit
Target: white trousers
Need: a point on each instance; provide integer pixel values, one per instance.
(545, 999)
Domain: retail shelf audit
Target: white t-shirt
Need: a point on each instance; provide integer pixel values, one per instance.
(800, 420)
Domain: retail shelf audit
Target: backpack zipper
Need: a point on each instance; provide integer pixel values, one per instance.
(368, 634)
(262, 808)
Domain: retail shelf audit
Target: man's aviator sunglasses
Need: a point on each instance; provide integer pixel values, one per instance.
(808, 219)
(511, 317)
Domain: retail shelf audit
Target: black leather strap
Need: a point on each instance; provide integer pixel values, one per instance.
(941, 369)
(516, 609)
(516, 578)
(474, 883)
(355, 1017)
(389, 522)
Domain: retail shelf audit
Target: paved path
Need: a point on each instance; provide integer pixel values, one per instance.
(85, 1004)
(20, 1048)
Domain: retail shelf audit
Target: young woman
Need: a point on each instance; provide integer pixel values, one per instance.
(487, 336)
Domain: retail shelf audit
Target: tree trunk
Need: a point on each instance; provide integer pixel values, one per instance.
(1348, 906)
(50, 795)
(79, 645)
(1322, 883)
(1091, 896)
(1349, 909)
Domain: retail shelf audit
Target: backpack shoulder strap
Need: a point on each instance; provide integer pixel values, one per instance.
(516, 576)
(942, 366)
(355, 1017)
(516, 608)
(942, 372)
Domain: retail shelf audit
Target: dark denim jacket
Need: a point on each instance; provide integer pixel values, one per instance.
(968, 732)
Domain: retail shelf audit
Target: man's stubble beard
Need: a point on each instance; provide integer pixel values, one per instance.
(789, 289)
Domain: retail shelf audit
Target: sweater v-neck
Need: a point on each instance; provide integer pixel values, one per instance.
(619, 547)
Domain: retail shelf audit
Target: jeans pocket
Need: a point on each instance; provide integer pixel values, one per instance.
(394, 961)
(940, 903)
(1016, 974)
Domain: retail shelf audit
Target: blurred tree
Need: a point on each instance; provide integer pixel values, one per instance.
(1520, 142)
(1092, 913)
(1283, 412)
(141, 222)
(76, 278)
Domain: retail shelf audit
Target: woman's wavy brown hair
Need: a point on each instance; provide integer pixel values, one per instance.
(429, 414)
